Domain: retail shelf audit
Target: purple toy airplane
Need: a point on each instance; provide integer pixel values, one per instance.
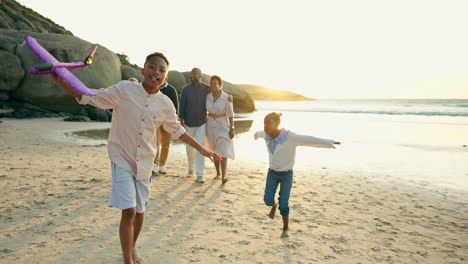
(52, 65)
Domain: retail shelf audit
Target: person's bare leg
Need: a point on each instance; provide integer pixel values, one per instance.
(285, 226)
(217, 165)
(164, 154)
(273, 211)
(137, 225)
(165, 144)
(136, 257)
(223, 169)
(126, 234)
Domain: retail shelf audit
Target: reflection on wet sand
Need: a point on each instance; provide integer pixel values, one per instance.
(241, 126)
(95, 134)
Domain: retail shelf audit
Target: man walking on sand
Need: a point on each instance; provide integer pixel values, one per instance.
(192, 114)
(139, 109)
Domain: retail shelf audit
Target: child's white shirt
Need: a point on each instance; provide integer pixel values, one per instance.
(284, 157)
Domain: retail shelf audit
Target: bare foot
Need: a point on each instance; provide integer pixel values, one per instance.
(217, 176)
(285, 233)
(136, 257)
(273, 211)
(225, 180)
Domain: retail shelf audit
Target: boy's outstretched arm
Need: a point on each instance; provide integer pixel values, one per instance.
(303, 140)
(105, 98)
(259, 134)
(194, 144)
(62, 84)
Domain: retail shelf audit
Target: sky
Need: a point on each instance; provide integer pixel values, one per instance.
(321, 49)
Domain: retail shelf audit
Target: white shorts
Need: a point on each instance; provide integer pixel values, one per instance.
(128, 192)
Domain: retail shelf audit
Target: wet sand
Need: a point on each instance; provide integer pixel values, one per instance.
(53, 209)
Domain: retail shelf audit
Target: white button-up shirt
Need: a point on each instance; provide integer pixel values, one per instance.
(284, 155)
(136, 118)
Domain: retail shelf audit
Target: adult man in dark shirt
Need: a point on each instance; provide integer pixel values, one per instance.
(192, 114)
(164, 138)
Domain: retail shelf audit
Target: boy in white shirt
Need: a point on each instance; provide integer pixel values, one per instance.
(281, 145)
(139, 110)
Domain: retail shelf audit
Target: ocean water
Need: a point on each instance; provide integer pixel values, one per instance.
(424, 142)
(429, 107)
(419, 141)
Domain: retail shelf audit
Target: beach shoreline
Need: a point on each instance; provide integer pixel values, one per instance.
(54, 210)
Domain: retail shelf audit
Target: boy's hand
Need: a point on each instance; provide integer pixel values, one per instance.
(62, 84)
(56, 79)
(231, 133)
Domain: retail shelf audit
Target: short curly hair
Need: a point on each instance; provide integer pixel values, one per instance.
(217, 78)
(157, 54)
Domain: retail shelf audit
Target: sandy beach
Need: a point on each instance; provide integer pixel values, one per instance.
(53, 209)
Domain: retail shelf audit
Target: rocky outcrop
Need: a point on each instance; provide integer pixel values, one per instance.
(128, 69)
(177, 80)
(18, 17)
(261, 93)
(41, 91)
(11, 72)
(130, 72)
(106, 70)
(19, 89)
(4, 96)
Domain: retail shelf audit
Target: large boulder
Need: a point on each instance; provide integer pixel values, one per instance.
(243, 102)
(4, 96)
(17, 88)
(24, 110)
(11, 72)
(177, 80)
(129, 72)
(128, 69)
(8, 40)
(40, 90)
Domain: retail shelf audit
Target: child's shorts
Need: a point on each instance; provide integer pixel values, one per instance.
(128, 192)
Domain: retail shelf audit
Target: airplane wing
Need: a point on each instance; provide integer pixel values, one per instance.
(74, 82)
(39, 50)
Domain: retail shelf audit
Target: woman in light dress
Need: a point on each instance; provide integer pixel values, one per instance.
(220, 124)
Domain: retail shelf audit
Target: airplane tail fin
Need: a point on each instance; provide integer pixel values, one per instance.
(88, 60)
